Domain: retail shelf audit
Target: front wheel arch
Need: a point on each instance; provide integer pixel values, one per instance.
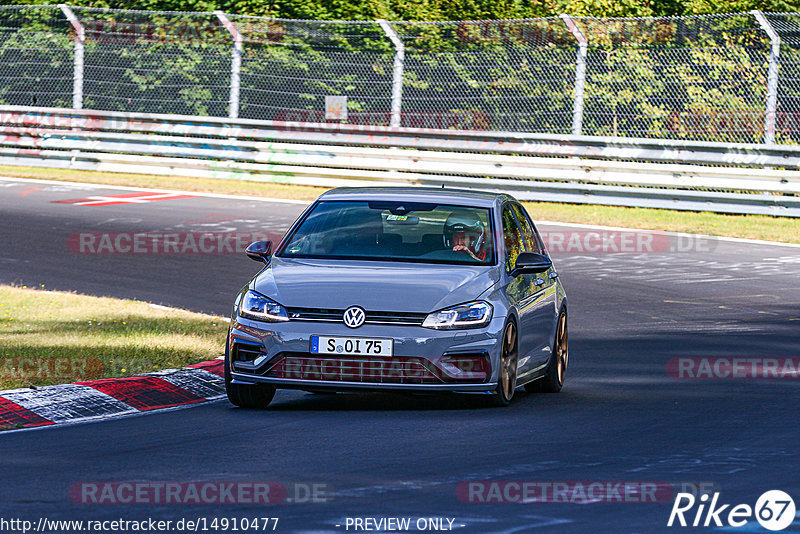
(254, 396)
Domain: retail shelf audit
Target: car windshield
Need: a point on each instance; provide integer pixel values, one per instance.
(394, 231)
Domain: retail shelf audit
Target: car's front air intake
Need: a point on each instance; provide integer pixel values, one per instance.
(376, 370)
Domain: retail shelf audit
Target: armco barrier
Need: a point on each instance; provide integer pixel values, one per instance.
(685, 175)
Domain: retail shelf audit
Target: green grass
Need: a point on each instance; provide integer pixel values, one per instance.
(56, 337)
(182, 183)
(781, 229)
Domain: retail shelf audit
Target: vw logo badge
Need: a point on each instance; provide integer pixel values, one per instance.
(354, 316)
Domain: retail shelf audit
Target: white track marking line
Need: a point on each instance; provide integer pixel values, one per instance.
(678, 234)
(306, 203)
(150, 190)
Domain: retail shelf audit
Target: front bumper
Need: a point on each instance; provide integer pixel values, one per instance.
(273, 344)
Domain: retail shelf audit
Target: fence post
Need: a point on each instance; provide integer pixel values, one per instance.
(397, 71)
(77, 75)
(236, 63)
(772, 76)
(580, 74)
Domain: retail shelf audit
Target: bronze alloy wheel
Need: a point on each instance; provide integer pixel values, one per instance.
(562, 349)
(507, 379)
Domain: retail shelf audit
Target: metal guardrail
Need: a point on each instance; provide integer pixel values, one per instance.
(684, 175)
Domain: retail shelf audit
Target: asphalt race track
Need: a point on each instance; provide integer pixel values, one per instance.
(621, 417)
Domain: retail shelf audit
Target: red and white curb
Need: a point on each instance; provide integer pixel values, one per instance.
(111, 397)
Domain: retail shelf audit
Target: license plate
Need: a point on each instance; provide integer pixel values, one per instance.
(352, 346)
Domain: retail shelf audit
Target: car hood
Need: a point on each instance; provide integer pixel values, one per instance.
(375, 286)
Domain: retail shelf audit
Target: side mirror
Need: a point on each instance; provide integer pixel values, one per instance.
(530, 262)
(259, 251)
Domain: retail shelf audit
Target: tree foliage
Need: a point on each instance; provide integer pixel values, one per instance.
(443, 9)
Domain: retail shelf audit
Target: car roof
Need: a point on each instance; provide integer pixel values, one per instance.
(461, 197)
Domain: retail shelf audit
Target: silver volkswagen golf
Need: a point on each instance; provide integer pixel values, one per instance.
(411, 289)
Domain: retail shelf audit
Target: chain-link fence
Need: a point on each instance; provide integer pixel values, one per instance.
(289, 66)
(36, 57)
(689, 77)
(729, 78)
(155, 62)
(787, 26)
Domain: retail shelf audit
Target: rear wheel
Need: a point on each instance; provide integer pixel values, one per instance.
(507, 379)
(257, 396)
(553, 379)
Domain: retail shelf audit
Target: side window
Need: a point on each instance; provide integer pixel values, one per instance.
(529, 241)
(512, 237)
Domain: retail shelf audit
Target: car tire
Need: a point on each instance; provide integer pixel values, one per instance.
(507, 377)
(553, 379)
(255, 396)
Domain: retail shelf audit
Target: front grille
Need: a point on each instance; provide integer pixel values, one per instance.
(375, 370)
(373, 317)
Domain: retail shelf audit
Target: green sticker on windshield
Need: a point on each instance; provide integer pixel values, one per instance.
(396, 217)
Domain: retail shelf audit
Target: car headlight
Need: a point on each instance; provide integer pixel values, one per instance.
(470, 315)
(257, 306)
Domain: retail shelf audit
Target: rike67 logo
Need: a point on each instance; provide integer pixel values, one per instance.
(774, 510)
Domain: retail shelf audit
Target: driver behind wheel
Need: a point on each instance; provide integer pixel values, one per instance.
(465, 233)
